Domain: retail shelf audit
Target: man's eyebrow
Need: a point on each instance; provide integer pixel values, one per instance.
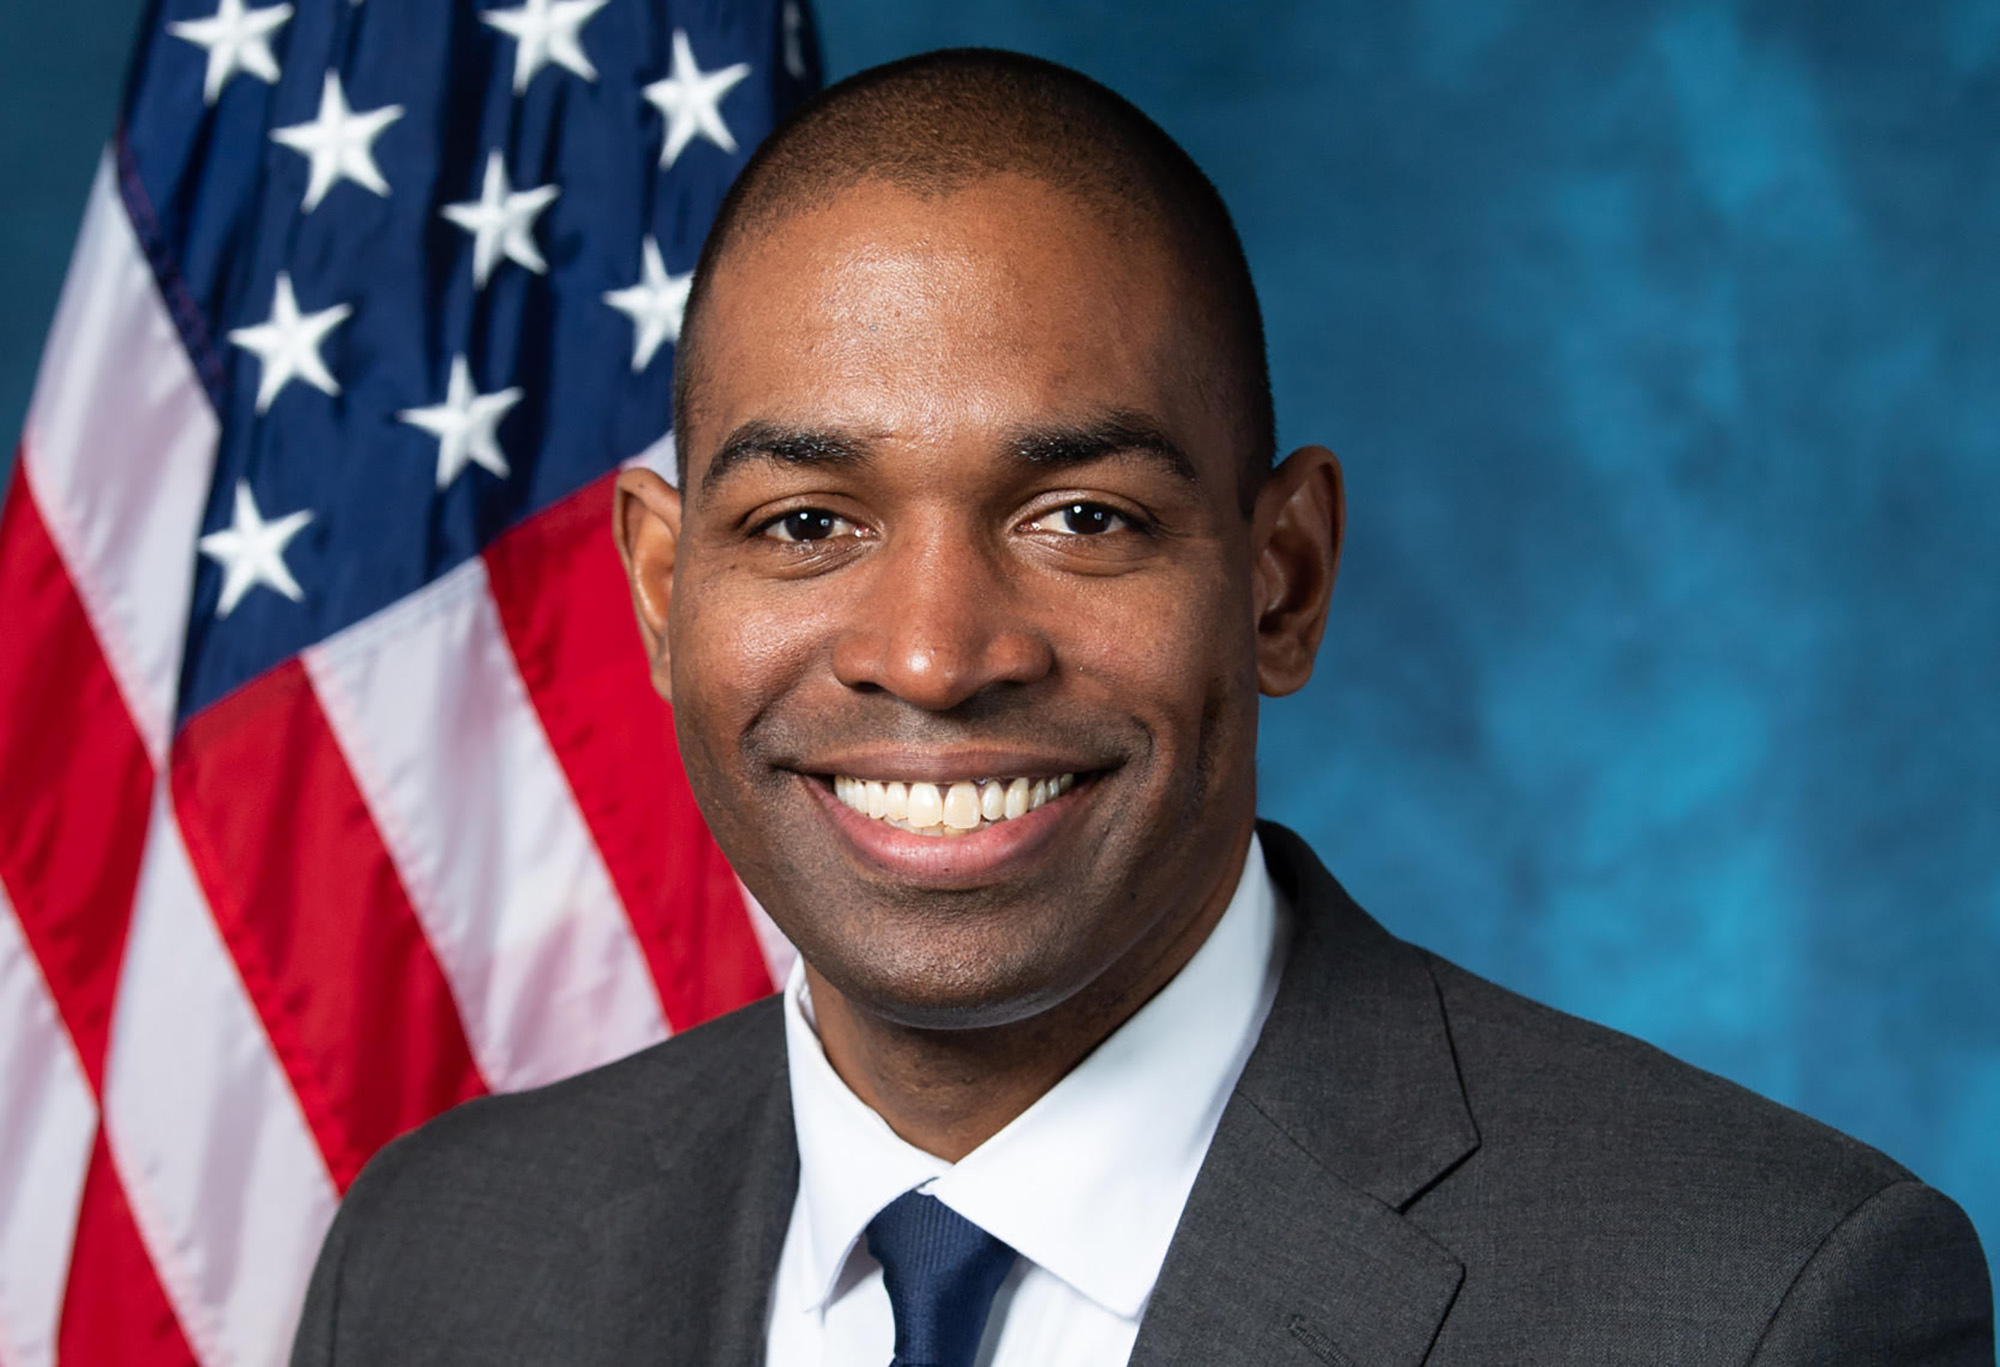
(1122, 434)
(755, 441)
(1046, 448)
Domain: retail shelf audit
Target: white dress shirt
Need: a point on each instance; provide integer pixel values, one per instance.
(1087, 1184)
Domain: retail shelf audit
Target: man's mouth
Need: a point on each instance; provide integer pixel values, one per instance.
(954, 808)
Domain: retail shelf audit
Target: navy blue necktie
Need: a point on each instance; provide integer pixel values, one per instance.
(941, 1271)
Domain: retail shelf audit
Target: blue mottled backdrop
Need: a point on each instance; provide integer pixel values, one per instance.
(1662, 343)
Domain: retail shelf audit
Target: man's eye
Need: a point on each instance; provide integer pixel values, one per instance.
(807, 524)
(1081, 519)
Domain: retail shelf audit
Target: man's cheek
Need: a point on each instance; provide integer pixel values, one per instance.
(724, 638)
(1156, 667)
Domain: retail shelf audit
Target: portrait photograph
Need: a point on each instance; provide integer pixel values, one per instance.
(815, 683)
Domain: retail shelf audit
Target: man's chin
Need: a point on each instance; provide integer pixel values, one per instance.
(917, 987)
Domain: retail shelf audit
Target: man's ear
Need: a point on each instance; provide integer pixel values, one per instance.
(1296, 533)
(646, 520)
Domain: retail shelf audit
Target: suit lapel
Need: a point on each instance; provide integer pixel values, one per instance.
(1292, 1248)
(736, 1282)
(1279, 1262)
(685, 1263)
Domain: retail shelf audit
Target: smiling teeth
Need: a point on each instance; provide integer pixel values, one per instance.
(951, 808)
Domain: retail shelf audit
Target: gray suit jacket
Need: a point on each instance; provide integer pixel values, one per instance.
(1417, 1166)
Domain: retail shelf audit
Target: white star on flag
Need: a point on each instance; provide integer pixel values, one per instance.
(795, 51)
(502, 222)
(465, 424)
(288, 342)
(339, 142)
(691, 100)
(546, 31)
(237, 39)
(251, 551)
(654, 305)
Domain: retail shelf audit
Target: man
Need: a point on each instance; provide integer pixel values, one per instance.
(976, 570)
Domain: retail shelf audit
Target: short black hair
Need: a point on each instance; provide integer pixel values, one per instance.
(936, 122)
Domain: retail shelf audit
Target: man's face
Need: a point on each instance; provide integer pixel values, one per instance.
(962, 507)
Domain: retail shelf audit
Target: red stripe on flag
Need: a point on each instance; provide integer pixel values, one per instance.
(75, 782)
(113, 1310)
(567, 613)
(317, 920)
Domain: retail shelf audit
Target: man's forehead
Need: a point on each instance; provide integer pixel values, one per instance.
(989, 248)
(1005, 293)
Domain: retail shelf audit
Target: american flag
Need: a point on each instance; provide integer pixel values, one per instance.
(332, 791)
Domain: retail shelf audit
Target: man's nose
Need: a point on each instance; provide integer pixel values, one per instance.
(938, 619)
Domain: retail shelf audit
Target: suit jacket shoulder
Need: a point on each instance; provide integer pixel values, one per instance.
(1572, 1106)
(545, 1226)
(1420, 1166)
(1649, 1201)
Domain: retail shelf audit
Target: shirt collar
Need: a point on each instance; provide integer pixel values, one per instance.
(1089, 1181)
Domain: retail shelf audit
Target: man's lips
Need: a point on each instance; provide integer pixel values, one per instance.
(988, 852)
(941, 765)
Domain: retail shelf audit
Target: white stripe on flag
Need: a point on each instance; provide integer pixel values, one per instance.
(119, 447)
(659, 458)
(47, 1124)
(429, 709)
(226, 1182)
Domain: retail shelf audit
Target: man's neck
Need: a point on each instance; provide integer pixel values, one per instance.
(949, 1091)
